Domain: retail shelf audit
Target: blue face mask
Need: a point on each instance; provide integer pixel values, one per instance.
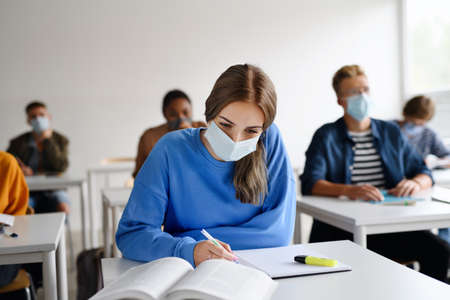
(411, 129)
(175, 124)
(359, 106)
(227, 149)
(40, 124)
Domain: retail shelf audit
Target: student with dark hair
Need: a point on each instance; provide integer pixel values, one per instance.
(233, 179)
(42, 151)
(417, 112)
(357, 157)
(177, 110)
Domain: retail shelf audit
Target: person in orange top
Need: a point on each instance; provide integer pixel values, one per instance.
(177, 110)
(13, 187)
(13, 201)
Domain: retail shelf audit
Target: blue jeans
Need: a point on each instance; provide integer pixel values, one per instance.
(47, 201)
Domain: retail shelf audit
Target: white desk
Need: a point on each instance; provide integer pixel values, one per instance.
(40, 236)
(42, 183)
(114, 199)
(362, 218)
(92, 173)
(373, 277)
(442, 177)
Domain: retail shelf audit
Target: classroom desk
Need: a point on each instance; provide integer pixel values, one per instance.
(373, 277)
(442, 177)
(43, 183)
(114, 199)
(92, 174)
(362, 218)
(40, 236)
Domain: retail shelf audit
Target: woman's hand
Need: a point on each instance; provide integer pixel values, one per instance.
(406, 187)
(207, 250)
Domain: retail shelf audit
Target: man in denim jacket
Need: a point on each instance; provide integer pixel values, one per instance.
(360, 158)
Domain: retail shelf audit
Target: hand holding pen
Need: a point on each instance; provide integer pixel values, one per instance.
(212, 248)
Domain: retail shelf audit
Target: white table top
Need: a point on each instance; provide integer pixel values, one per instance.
(40, 232)
(116, 196)
(373, 277)
(113, 167)
(442, 177)
(42, 182)
(364, 213)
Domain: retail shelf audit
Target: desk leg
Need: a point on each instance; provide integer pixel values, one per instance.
(298, 227)
(92, 185)
(115, 221)
(84, 225)
(360, 236)
(49, 275)
(106, 233)
(61, 268)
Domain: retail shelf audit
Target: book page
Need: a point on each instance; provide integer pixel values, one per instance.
(7, 219)
(147, 281)
(222, 279)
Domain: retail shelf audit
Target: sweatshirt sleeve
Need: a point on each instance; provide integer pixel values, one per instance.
(139, 235)
(274, 225)
(13, 187)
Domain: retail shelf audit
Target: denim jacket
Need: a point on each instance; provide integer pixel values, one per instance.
(330, 155)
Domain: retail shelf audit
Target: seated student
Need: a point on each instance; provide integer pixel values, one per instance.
(42, 151)
(417, 112)
(177, 110)
(232, 178)
(356, 156)
(13, 201)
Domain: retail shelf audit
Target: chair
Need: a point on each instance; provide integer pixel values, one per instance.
(20, 288)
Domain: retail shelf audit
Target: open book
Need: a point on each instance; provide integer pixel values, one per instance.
(174, 278)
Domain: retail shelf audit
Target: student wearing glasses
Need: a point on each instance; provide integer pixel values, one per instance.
(358, 157)
(233, 179)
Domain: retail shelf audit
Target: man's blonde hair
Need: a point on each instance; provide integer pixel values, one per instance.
(348, 71)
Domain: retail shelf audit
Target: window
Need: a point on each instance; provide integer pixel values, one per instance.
(427, 56)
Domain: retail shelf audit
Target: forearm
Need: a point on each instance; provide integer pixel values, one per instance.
(143, 243)
(326, 188)
(423, 180)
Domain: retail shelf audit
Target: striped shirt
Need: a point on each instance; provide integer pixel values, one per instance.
(367, 167)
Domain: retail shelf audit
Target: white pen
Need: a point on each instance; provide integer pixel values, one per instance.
(215, 242)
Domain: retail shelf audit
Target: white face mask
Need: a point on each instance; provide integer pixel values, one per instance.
(225, 148)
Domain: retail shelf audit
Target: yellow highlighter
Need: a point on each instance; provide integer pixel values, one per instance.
(316, 261)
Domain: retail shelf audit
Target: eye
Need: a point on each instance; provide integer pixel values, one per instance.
(252, 131)
(225, 125)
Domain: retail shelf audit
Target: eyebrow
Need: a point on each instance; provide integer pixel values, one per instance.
(235, 124)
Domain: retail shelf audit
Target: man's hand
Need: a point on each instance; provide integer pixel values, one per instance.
(406, 187)
(207, 250)
(364, 192)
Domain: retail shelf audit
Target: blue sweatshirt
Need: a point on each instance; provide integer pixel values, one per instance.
(182, 187)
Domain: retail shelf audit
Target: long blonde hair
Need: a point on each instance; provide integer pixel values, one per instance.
(250, 84)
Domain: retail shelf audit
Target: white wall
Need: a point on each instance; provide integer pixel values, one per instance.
(103, 66)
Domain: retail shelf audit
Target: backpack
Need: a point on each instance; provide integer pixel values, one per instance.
(89, 272)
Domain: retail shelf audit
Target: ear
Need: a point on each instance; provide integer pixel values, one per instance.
(340, 101)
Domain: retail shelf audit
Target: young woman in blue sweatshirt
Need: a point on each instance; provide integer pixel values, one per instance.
(233, 179)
